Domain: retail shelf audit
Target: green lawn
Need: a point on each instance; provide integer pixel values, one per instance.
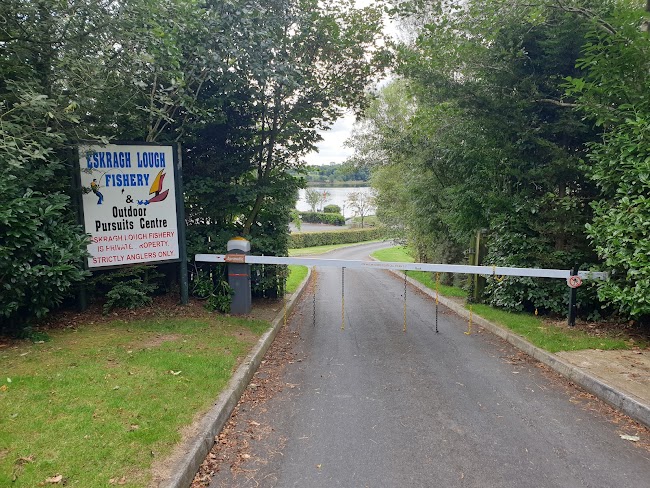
(544, 335)
(536, 330)
(399, 254)
(297, 273)
(103, 402)
(368, 221)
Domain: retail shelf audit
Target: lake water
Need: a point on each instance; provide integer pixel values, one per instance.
(337, 196)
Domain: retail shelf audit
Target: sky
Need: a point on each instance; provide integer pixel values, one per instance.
(331, 149)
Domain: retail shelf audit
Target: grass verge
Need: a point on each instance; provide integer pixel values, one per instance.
(544, 335)
(399, 254)
(297, 273)
(534, 329)
(98, 404)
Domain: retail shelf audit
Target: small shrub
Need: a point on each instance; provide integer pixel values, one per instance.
(129, 294)
(334, 209)
(221, 299)
(322, 218)
(209, 286)
(130, 287)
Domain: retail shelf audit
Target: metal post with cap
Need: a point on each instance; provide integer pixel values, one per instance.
(239, 275)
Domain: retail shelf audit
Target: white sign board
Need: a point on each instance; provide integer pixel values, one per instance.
(129, 204)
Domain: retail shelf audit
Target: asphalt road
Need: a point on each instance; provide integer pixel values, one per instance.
(374, 406)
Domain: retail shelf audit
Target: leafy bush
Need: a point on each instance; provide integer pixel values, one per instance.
(129, 294)
(41, 248)
(41, 254)
(517, 244)
(322, 218)
(620, 227)
(613, 92)
(208, 284)
(310, 239)
(130, 287)
(335, 209)
(221, 299)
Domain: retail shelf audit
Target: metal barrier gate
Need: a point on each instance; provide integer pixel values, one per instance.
(573, 279)
(436, 268)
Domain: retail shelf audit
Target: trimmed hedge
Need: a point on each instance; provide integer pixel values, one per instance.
(332, 209)
(322, 218)
(310, 239)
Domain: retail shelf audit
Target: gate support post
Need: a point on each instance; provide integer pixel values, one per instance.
(573, 307)
(239, 275)
(478, 245)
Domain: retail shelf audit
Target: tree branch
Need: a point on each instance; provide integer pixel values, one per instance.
(587, 14)
(559, 103)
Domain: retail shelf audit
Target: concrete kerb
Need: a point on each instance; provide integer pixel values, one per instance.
(627, 404)
(196, 449)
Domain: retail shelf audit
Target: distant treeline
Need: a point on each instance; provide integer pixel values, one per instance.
(337, 173)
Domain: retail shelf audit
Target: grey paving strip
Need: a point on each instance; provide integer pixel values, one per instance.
(628, 404)
(197, 448)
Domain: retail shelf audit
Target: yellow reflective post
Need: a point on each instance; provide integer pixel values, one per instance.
(437, 293)
(285, 308)
(315, 288)
(469, 325)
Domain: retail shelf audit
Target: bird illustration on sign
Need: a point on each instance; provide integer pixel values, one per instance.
(156, 190)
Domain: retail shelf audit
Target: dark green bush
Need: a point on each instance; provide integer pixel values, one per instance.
(209, 284)
(310, 239)
(322, 218)
(41, 254)
(129, 294)
(221, 299)
(335, 209)
(516, 244)
(129, 287)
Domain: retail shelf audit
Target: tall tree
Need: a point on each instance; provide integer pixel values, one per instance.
(316, 58)
(492, 144)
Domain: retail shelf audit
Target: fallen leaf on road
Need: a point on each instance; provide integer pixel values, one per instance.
(54, 479)
(633, 438)
(318, 466)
